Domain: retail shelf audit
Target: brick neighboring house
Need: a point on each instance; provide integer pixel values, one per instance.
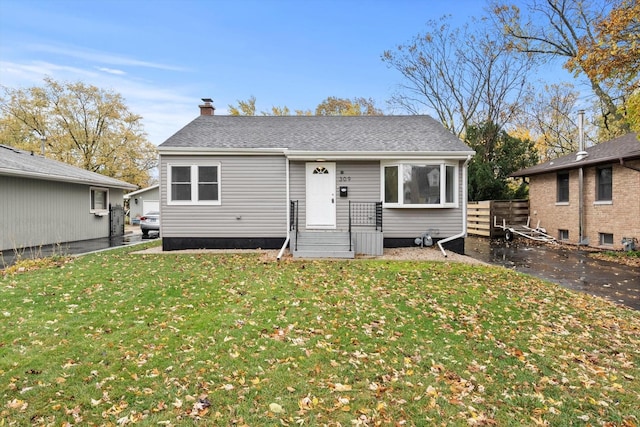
(611, 194)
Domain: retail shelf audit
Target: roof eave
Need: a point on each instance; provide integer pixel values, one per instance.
(575, 165)
(48, 177)
(378, 155)
(142, 190)
(314, 155)
(190, 151)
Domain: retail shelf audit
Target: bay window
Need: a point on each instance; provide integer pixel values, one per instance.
(420, 184)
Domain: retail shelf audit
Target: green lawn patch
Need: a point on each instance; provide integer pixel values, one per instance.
(630, 258)
(118, 338)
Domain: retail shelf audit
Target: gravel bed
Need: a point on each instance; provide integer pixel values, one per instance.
(399, 254)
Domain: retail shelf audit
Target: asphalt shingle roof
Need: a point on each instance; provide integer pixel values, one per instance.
(318, 134)
(16, 162)
(625, 147)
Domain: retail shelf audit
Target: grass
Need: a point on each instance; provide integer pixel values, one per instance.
(118, 338)
(630, 258)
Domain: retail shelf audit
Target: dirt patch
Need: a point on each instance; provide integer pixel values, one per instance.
(398, 254)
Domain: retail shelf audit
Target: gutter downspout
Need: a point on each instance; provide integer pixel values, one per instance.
(286, 241)
(464, 209)
(580, 179)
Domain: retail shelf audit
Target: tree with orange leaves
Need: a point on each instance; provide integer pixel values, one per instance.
(598, 39)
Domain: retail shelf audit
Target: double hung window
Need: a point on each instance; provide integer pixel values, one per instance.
(99, 200)
(604, 184)
(562, 186)
(193, 184)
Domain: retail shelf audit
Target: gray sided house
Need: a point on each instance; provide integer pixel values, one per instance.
(328, 186)
(143, 201)
(45, 202)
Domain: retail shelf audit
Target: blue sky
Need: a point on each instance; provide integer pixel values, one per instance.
(163, 56)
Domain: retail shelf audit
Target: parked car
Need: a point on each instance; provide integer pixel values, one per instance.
(150, 222)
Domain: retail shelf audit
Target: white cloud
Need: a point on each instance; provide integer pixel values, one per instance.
(101, 57)
(164, 109)
(112, 71)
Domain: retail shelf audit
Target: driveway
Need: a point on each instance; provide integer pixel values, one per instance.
(564, 265)
(132, 236)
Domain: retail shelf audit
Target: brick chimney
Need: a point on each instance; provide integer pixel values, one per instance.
(207, 108)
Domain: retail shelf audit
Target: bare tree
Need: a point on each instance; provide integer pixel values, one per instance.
(466, 76)
(564, 28)
(550, 120)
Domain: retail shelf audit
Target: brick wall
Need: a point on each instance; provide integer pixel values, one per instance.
(621, 217)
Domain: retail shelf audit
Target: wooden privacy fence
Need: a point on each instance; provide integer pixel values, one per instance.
(480, 216)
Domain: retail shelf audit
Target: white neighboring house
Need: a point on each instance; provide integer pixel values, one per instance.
(45, 202)
(143, 201)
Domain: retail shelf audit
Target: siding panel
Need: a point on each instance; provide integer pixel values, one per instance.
(253, 199)
(363, 182)
(253, 194)
(35, 213)
(361, 178)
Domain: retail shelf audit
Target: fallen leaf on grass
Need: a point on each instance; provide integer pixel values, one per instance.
(342, 387)
(18, 404)
(276, 408)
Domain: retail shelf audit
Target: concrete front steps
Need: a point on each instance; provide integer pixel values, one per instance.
(319, 244)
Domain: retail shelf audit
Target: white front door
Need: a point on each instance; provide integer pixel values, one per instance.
(321, 195)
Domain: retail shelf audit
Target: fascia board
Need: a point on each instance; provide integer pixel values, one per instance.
(382, 155)
(314, 155)
(49, 177)
(190, 151)
(575, 165)
(142, 190)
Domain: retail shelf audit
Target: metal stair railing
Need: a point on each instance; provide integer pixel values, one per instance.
(364, 214)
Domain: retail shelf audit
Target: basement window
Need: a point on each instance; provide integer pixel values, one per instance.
(606, 239)
(563, 234)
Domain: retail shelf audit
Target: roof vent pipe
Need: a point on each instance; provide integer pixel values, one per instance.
(207, 108)
(581, 154)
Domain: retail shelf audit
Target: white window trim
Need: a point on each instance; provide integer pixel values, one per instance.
(106, 202)
(443, 187)
(194, 185)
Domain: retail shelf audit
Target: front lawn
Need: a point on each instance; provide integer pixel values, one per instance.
(117, 338)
